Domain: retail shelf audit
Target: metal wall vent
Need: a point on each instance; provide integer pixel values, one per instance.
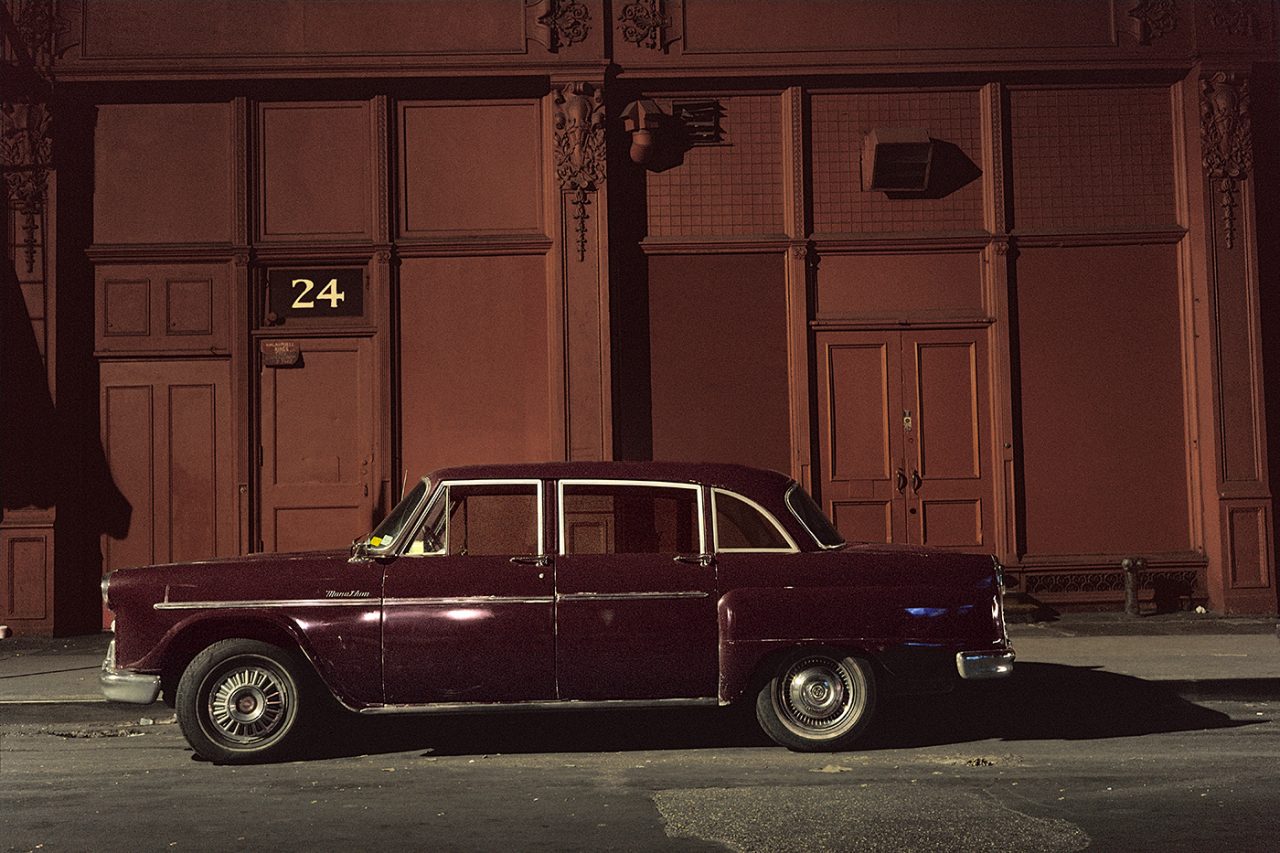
(896, 160)
(701, 121)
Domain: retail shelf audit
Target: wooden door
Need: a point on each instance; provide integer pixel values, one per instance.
(317, 434)
(903, 433)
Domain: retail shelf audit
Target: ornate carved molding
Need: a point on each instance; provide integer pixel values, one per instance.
(579, 149)
(645, 24)
(31, 28)
(1234, 17)
(558, 23)
(25, 157)
(1152, 19)
(1184, 581)
(1226, 140)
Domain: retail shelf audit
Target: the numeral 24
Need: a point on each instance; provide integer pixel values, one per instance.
(330, 292)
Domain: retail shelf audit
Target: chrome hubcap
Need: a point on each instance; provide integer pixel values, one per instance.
(819, 696)
(248, 704)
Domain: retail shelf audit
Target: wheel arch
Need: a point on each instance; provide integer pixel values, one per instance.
(194, 635)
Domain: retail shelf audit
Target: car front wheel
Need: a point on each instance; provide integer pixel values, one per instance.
(818, 700)
(238, 701)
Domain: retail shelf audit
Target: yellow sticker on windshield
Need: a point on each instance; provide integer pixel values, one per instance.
(375, 541)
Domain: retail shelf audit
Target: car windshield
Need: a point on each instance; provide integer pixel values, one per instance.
(806, 509)
(390, 528)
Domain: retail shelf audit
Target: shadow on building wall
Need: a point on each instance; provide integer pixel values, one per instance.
(1265, 95)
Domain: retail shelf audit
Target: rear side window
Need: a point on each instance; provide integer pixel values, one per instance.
(617, 518)
(743, 526)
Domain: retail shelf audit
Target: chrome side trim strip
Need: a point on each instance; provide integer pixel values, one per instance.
(544, 705)
(250, 605)
(467, 600)
(630, 596)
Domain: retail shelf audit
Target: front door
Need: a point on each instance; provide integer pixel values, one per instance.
(317, 434)
(904, 434)
(468, 609)
(635, 593)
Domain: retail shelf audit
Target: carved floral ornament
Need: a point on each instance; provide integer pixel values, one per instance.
(1226, 141)
(1152, 19)
(579, 149)
(645, 23)
(1234, 17)
(558, 23)
(30, 28)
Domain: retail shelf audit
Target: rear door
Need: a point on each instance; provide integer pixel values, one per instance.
(635, 592)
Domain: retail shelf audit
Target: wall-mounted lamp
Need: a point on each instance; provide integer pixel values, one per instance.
(896, 160)
(640, 119)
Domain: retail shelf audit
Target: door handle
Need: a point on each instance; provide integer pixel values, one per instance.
(915, 480)
(541, 561)
(694, 559)
(902, 480)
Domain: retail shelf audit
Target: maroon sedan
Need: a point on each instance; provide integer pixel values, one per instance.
(560, 585)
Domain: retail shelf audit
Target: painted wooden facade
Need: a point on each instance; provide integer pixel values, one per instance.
(260, 269)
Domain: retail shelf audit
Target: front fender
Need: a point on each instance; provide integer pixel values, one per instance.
(353, 686)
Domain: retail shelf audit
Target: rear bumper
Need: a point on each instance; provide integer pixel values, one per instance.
(121, 685)
(996, 663)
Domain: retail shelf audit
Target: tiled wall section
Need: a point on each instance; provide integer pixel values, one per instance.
(1092, 159)
(840, 121)
(725, 190)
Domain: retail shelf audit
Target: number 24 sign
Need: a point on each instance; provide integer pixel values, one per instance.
(316, 292)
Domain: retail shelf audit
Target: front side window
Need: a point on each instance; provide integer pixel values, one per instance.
(629, 518)
(481, 520)
(743, 525)
(385, 534)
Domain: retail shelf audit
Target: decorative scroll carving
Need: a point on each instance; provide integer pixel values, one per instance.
(1226, 140)
(579, 149)
(1153, 19)
(30, 30)
(558, 23)
(645, 23)
(1234, 17)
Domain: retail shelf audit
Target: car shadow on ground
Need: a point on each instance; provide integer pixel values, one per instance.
(1040, 702)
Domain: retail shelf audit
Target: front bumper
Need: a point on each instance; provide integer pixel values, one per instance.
(121, 685)
(996, 663)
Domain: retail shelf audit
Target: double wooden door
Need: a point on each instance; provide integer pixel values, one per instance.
(904, 435)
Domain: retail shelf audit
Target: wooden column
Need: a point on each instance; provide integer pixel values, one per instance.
(579, 268)
(1238, 530)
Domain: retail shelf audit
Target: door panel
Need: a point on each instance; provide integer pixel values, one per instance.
(632, 620)
(944, 373)
(903, 436)
(317, 446)
(472, 619)
(860, 443)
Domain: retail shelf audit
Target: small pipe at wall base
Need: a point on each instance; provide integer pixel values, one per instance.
(1132, 566)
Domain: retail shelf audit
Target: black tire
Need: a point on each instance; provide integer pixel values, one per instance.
(238, 701)
(817, 700)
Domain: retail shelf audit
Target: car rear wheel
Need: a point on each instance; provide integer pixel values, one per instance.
(238, 701)
(818, 700)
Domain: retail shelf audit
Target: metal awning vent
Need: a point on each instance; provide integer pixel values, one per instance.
(701, 120)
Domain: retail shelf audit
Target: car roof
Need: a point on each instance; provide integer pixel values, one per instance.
(739, 478)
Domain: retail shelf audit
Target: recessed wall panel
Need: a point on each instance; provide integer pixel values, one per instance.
(163, 173)
(718, 355)
(1099, 355)
(471, 168)
(899, 285)
(473, 355)
(316, 170)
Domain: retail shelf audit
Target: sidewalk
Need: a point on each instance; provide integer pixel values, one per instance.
(1197, 657)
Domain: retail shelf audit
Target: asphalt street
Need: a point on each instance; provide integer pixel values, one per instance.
(1061, 758)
